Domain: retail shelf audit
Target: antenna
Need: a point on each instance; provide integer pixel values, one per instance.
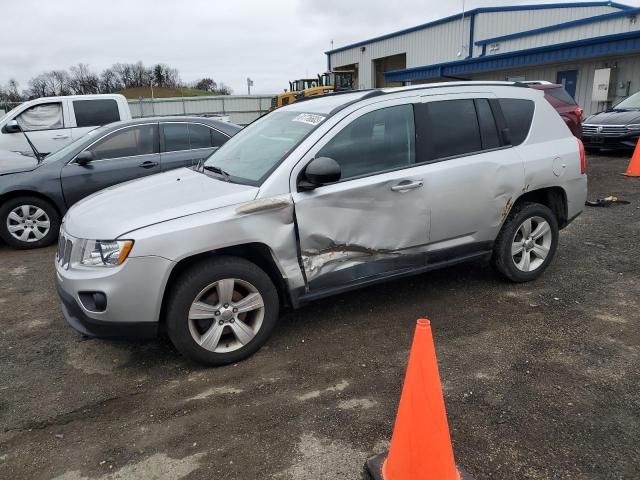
(459, 54)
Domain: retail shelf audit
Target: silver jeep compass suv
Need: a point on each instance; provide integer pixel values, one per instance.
(319, 197)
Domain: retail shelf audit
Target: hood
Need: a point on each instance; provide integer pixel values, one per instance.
(614, 118)
(15, 162)
(112, 212)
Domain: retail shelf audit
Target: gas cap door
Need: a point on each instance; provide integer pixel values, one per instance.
(559, 166)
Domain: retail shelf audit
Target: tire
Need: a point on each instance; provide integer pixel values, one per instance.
(40, 219)
(514, 265)
(211, 333)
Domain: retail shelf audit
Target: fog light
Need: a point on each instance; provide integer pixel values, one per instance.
(93, 301)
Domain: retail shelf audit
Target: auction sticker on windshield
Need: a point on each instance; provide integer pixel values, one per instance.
(310, 118)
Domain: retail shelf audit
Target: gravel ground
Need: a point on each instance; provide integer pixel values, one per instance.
(540, 380)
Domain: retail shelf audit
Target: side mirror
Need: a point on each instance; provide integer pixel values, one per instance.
(320, 171)
(84, 157)
(12, 127)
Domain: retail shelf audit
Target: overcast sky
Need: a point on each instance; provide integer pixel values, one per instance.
(271, 42)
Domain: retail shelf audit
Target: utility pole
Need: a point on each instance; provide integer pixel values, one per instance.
(249, 85)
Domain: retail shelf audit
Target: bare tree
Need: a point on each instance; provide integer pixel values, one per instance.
(83, 81)
(80, 79)
(206, 84)
(109, 81)
(223, 89)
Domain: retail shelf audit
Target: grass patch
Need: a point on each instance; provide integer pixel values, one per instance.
(162, 92)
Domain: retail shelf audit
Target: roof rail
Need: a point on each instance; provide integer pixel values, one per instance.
(372, 93)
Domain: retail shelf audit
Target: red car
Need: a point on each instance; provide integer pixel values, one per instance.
(564, 104)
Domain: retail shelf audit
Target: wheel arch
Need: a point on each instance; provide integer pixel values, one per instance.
(257, 253)
(30, 193)
(555, 198)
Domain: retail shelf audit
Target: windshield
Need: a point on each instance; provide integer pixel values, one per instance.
(75, 145)
(252, 154)
(630, 103)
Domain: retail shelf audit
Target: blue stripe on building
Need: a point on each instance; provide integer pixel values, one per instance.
(562, 52)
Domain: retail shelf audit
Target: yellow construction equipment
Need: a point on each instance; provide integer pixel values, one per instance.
(295, 87)
(304, 88)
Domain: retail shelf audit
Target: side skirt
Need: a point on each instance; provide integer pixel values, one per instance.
(438, 260)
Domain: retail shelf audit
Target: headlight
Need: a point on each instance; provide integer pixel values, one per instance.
(633, 126)
(105, 253)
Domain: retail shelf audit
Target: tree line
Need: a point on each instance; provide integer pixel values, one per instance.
(81, 80)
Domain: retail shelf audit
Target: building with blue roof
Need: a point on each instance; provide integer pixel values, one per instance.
(592, 48)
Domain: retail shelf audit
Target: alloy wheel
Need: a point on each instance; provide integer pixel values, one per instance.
(226, 315)
(531, 244)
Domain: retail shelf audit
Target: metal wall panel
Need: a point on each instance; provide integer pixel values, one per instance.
(627, 70)
(608, 27)
(494, 24)
(439, 43)
(241, 109)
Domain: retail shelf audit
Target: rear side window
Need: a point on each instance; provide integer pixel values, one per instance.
(561, 94)
(95, 113)
(205, 137)
(46, 116)
(375, 142)
(518, 114)
(446, 129)
(176, 137)
(217, 138)
(128, 142)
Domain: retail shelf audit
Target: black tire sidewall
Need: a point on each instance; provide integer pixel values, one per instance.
(50, 210)
(192, 281)
(502, 253)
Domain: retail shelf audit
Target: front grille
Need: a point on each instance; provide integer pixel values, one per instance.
(604, 130)
(65, 248)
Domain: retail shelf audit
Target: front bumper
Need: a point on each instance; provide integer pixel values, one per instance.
(133, 291)
(622, 142)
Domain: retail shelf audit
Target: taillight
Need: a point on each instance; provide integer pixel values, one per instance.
(583, 157)
(578, 111)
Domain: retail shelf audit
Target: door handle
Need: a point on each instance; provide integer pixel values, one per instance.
(60, 137)
(406, 186)
(148, 164)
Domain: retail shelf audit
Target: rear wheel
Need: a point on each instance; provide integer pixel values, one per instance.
(28, 222)
(222, 311)
(527, 242)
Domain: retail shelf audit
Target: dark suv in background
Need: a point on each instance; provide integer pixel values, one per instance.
(564, 104)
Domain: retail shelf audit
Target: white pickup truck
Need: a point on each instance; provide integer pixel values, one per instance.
(53, 122)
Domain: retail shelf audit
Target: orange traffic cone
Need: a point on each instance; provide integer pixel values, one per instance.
(633, 170)
(420, 445)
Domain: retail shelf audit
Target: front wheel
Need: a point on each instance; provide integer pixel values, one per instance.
(28, 222)
(527, 242)
(222, 311)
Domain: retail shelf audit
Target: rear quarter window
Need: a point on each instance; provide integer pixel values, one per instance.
(518, 114)
(561, 94)
(95, 113)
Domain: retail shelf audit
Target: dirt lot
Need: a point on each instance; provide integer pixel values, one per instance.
(541, 380)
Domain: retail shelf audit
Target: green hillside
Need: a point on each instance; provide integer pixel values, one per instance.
(162, 92)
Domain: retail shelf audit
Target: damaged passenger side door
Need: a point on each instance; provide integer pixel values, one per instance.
(373, 221)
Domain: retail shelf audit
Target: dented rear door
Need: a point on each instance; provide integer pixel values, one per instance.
(473, 176)
(375, 220)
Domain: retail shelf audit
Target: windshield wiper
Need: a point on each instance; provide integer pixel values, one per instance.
(217, 170)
